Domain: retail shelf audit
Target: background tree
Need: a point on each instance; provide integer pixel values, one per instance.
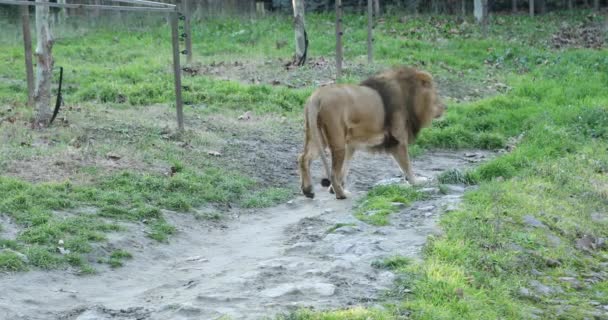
(44, 66)
(300, 31)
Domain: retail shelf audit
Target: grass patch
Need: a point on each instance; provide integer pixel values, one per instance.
(117, 257)
(392, 263)
(455, 176)
(11, 261)
(266, 198)
(381, 201)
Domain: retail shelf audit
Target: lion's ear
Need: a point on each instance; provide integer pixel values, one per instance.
(425, 78)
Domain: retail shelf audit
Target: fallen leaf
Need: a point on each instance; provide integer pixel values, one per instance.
(112, 156)
(245, 116)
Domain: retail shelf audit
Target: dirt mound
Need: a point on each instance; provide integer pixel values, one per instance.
(587, 34)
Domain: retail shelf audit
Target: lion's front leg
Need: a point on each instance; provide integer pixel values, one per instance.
(402, 157)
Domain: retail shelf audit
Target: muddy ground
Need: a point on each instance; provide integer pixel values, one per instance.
(254, 264)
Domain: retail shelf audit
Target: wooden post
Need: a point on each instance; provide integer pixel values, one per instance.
(44, 65)
(339, 52)
(370, 36)
(531, 8)
(27, 43)
(177, 71)
(188, 31)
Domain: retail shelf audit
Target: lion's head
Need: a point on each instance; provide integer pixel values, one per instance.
(421, 95)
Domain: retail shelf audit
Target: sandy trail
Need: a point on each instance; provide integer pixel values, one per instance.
(259, 263)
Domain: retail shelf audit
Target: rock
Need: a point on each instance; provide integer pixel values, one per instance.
(426, 208)
(319, 288)
(533, 222)
(450, 207)
(599, 217)
(544, 289)
(347, 230)
(113, 156)
(590, 243)
(282, 290)
(526, 293)
(453, 188)
(389, 181)
(398, 205)
(343, 247)
(553, 240)
(301, 247)
(341, 265)
(553, 263)
(245, 116)
(326, 211)
(322, 289)
(574, 283)
(430, 190)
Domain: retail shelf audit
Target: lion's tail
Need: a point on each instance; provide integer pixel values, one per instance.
(316, 133)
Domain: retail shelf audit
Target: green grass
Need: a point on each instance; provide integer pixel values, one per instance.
(557, 100)
(116, 258)
(381, 201)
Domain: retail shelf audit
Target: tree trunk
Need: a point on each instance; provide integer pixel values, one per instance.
(514, 6)
(463, 7)
(188, 30)
(542, 6)
(377, 8)
(370, 23)
(299, 27)
(531, 8)
(481, 15)
(27, 43)
(339, 51)
(478, 10)
(570, 5)
(44, 67)
(596, 5)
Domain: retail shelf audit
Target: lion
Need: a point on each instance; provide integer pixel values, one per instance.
(384, 113)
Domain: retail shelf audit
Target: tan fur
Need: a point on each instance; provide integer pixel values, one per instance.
(383, 113)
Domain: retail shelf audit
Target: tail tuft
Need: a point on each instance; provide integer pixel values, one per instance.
(325, 182)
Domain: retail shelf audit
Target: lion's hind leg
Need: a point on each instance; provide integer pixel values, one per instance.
(304, 161)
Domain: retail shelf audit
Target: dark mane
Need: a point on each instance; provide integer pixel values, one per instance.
(397, 93)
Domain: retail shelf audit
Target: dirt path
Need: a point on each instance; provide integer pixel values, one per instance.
(258, 264)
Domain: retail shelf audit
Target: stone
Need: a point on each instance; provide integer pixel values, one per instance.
(533, 222)
(426, 208)
(319, 288)
(453, 188)
(322, 289)
(429, 190)
(389, 181)
(553, 240)
(347, 230)
(281, 290)
(544, 289)
(343, 247)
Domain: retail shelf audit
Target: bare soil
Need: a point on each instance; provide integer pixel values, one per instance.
(254, 264)
(319, 71)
